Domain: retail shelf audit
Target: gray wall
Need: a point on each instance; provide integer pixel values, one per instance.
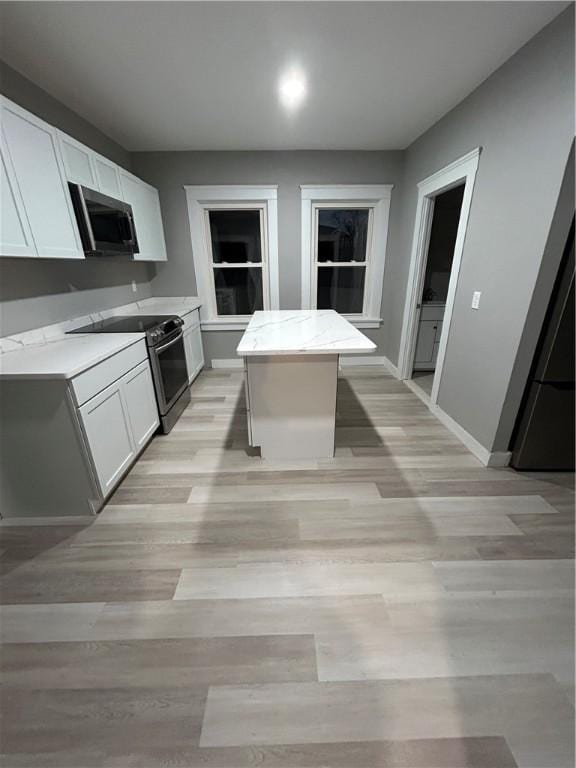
(170, 171)
(35, 292)
(523, 118)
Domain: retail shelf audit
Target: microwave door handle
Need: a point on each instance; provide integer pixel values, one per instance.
(133, 238)
(86, 220)
(128, 224)
(157, 350)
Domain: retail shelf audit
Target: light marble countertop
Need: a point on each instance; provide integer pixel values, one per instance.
(64, 358)
(47, 353)
(302, 332)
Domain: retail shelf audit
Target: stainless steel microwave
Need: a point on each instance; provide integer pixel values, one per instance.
(106, 225)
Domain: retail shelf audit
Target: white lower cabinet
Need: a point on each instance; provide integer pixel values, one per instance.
(141, 404)
(109, 435)
(118, 422)
(194, 352)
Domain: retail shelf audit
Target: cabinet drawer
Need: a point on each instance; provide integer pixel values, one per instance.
(94, 380)
(191, 320)
(432, 311)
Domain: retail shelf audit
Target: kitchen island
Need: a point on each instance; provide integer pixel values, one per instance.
(291, 375)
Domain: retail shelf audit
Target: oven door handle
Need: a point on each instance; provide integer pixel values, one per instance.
(157, 350)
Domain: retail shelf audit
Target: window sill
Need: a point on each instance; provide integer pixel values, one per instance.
(240, 324)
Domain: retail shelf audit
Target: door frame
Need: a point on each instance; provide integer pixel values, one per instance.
(460, 171)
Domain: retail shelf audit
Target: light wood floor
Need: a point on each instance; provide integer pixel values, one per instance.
(399, 606)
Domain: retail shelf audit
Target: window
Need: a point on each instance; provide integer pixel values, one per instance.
(344, 233)
(234, 243)
(342, 239)
(236, 248)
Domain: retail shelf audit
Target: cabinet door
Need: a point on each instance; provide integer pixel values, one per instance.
(141, 403)
(107, 428)
(78, 161)
(15, 234)
(108, 177)
(35, 157)
(425, 343)
(194, 352)
(147, 217)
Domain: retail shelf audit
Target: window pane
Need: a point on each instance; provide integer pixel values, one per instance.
(238, 290)
(342, 234)
(236, 237)
(341, 288)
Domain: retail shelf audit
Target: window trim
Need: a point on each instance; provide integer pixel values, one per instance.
(373, 196)
(201, 199)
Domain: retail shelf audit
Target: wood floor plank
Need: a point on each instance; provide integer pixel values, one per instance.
(245, 617)
(506, 575)
(505, 648)
(163, 662)
(49, 622)
(315, 580)
(470, 752)
(283, 492)
(64, 586)
(227, 531)
(95, 723)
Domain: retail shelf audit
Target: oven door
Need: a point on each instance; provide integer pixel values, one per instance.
(169, 370)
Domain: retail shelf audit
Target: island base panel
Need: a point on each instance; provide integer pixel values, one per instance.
(292, 405)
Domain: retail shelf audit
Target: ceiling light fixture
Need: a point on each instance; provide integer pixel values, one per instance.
(292, 89)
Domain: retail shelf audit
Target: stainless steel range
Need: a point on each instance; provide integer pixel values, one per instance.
(167, 358)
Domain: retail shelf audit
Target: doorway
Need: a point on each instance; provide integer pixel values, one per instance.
(445, 215)
(442, 212)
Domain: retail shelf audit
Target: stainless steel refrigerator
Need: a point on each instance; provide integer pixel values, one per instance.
(544, 433)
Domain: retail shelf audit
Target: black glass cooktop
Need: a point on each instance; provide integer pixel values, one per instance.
(128, 324)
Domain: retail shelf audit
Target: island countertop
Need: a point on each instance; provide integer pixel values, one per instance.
(302, 332)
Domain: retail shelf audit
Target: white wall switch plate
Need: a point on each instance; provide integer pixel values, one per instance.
(134, 288)
(476, 299)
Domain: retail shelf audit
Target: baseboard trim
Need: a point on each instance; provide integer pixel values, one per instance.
(499, 459)
(486, 457)
(392, 368)
(233, 362)
(349, 360)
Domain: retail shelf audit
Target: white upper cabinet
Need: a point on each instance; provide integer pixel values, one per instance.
(78, 162)
(108, 177)
(15, 233)
(33, 154)
(145, 204)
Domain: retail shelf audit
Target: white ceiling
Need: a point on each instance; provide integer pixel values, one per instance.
(203, 75)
